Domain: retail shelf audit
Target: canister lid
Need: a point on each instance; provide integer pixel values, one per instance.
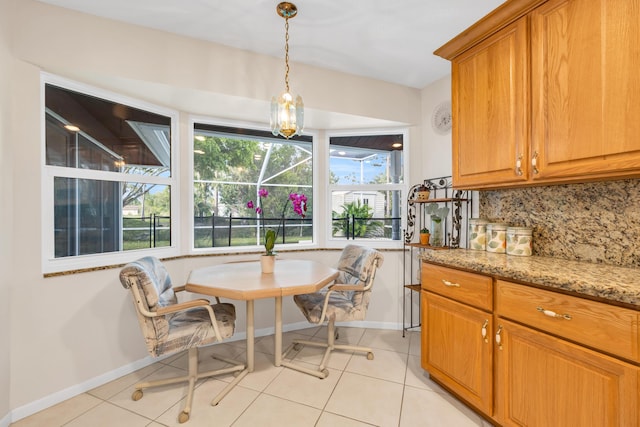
(497, 226)
(520, 230)
(478, 221)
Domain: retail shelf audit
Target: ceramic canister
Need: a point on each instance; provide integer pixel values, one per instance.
(478, 233)
(497, 237)
(520, 241)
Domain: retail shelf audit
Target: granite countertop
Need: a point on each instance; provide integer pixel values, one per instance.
(599, 281)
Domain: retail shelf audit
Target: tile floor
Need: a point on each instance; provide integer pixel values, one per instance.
(391, 390)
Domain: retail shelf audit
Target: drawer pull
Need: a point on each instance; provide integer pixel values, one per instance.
(553, 314)
(499, 337)
(450, 284)
(484, 330)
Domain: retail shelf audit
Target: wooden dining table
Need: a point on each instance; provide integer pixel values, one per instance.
(245, 281)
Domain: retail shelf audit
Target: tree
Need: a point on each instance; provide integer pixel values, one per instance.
(132, 191)
(215, 159)
(361, 226)
(158, 203)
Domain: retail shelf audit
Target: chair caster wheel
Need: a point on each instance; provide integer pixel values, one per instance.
(325, 374)
(370, 356)
(183, 417)
(136, 395)
(297, 346)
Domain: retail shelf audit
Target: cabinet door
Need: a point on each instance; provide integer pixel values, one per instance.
(545, 381)
(454, 350)
(585, 56)
(491, 110)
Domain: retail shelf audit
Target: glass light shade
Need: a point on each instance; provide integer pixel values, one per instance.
(287, 115)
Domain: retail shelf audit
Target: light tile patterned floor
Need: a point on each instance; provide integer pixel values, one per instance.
(391, 390)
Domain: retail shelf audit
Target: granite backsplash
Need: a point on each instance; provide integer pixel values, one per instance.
(595, 222)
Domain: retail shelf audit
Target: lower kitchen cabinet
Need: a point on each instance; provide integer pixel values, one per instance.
(525, 356)
(546, 381)
(457, 349)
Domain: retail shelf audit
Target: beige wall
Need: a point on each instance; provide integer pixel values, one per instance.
(436, 154)
(6, 195)
(74, 332)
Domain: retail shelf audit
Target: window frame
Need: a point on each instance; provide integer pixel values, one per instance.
(51, 264)
(333, 242)
(207, 120)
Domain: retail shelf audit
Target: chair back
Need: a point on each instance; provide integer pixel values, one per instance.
(151, 288)
(357, 266)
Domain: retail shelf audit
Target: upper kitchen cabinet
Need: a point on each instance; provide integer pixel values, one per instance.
(585, 92)
(490, 109)
(546, 92)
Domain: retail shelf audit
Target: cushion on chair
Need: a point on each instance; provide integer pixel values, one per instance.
(154, 284)
(340, 306)
(358, 261)
(193, 328)
(356, 265)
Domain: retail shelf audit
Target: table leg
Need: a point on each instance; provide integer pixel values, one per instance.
(278, 332)
(250, 337)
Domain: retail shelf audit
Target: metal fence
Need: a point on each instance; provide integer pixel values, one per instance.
(228, 231)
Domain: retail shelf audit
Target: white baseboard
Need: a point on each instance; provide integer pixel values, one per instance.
(69, 392)
(4, 422)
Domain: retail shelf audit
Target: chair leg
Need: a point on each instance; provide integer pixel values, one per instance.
(332, 334)
(192, 376)
(229, 387)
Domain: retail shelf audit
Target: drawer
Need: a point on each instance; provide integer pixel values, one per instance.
(469, 288)
(605, 327)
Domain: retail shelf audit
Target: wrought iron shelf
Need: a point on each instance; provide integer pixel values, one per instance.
(439, 200)
(420, 210)
(415, 288)
(434, 248)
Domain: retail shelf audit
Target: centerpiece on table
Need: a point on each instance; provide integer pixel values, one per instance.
(299, 202)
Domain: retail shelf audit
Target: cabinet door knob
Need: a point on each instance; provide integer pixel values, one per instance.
(499, 337)
(553, 314)
(534, 162)
(484, 330)
(450, 284)
(519, 165)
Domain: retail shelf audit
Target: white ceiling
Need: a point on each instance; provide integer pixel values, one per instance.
(390, 40)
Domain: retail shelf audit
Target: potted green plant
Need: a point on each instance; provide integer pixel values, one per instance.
(424, 236)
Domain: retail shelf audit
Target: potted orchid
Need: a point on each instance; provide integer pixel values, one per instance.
(299, 202)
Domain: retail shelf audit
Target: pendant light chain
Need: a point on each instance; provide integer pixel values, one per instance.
(287, 109)
(286, 53)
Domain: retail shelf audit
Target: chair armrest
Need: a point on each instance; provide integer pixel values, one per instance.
(161, 311)
(182, 288)
(345, 287)
(187, 305)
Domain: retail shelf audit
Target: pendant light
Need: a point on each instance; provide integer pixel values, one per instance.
(287, 109)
